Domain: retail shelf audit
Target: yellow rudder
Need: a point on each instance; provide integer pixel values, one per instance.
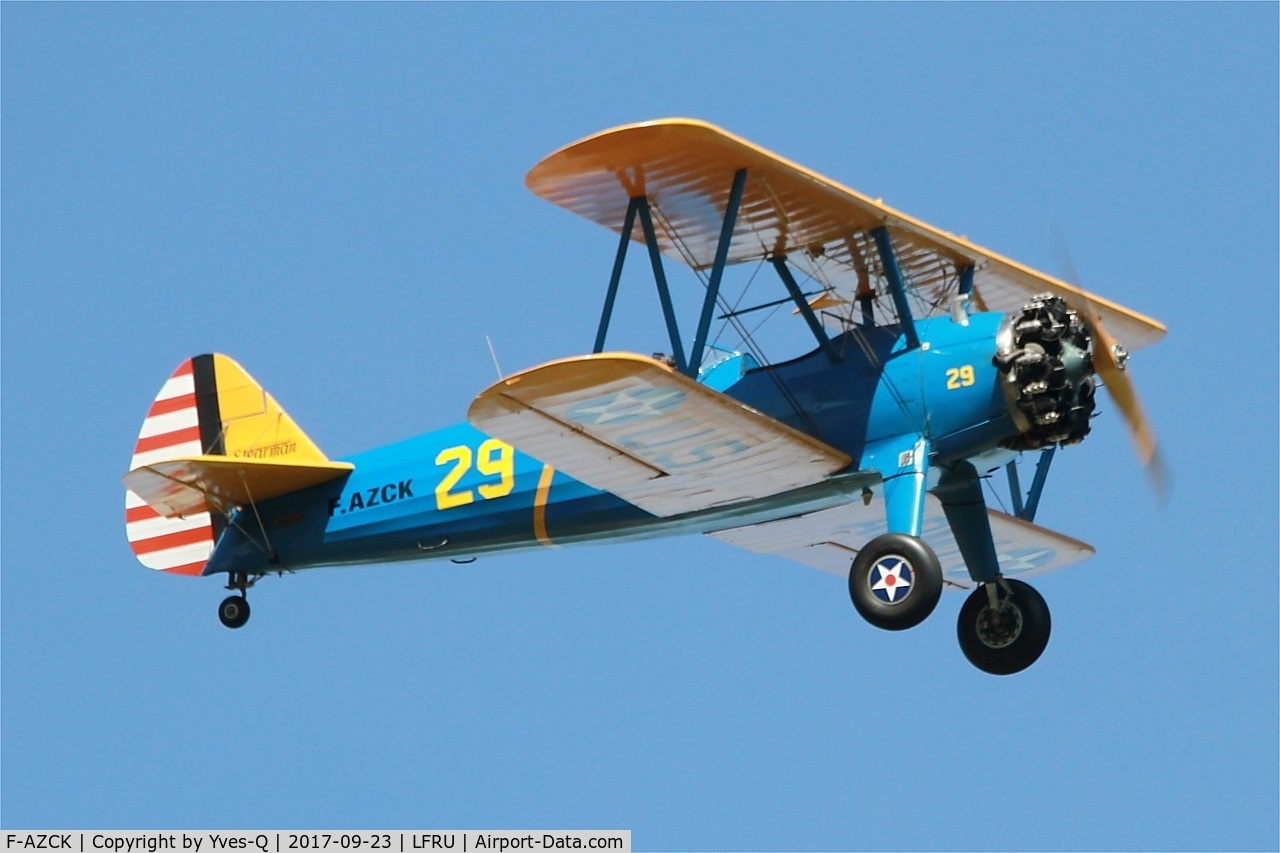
(253, 426)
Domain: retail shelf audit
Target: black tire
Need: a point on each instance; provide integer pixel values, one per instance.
(234, 611)
(1008, 640)
(876, 581)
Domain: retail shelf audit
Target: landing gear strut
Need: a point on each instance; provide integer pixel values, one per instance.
(1003, 627)
(234, 610)
(895, 581)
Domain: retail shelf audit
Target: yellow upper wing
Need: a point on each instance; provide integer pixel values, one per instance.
(685, 168)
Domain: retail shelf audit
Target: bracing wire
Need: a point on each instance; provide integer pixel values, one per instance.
(996, 495)
(747, 340)
(724, 324)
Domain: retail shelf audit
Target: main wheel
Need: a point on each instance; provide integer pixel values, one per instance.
(1008, 638)
(234, 611)
(895, 581)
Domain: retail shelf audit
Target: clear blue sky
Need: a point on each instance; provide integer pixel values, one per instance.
(333, 195)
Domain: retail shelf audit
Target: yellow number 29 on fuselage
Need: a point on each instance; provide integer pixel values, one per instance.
(960, 377)
(493, 458)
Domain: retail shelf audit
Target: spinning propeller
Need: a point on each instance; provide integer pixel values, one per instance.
(1110, 362)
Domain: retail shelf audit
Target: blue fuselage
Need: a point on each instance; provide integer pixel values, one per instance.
(445, 494)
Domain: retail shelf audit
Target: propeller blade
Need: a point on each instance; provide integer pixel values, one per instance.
(1109, 362)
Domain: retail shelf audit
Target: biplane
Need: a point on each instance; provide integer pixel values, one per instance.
(935, 365)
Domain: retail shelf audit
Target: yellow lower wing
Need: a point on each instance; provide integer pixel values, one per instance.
(193, 484)
(633, 426)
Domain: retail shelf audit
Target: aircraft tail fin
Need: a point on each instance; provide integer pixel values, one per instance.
(209, 408)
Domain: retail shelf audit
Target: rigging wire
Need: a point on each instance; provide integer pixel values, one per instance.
(996, 495)
(748, 341)
(724, 324)
(767, 318)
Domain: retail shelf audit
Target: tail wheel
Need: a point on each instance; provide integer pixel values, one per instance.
(234, 611)
(1009, 636)
(895, 581)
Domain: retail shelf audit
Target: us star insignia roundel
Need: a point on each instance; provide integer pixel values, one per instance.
(891, 578)
(626, 406)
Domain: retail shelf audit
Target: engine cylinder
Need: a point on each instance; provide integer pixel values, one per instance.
(1044, 353)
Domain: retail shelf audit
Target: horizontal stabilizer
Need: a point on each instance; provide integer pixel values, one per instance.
(188, 485)
(633, 426)
(829, 540)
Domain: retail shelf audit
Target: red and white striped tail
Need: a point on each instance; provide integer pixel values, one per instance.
(172, 428)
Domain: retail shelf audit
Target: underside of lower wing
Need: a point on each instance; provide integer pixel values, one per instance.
(633, 426)
(829, 540)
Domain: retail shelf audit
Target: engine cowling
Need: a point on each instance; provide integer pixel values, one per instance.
(1044, 353)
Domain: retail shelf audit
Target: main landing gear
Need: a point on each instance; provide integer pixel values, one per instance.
(234, 610)
(1003, 627)
(896, 581)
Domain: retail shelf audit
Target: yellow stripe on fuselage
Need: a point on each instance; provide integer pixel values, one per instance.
(540, 506)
